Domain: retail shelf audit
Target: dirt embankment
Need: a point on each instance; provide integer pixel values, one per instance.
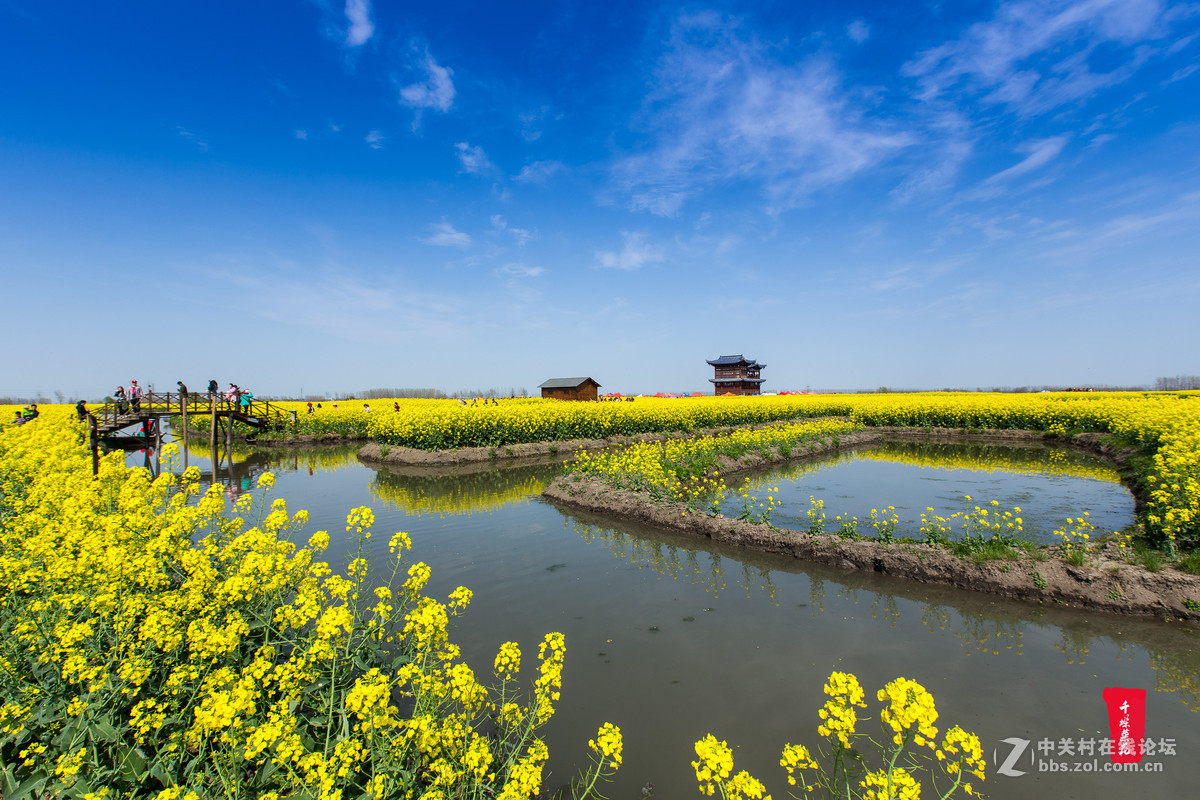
(518, 453)
(1105, 583)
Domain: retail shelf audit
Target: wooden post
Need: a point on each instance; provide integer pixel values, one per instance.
(183, 404)
(157, 446)
(212, 430)
(95, 441)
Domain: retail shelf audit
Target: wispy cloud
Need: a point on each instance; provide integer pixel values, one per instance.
(443, 234)
(1041, 153)
(436, 92)
(723, 109)
(635, 253)
(520, 235)
(539, 171)
(200, 144)
(474, 161)
(301, 134)
(519, 270)
(1036, 56)
(859, 31)
(375, 140)
(361, 28)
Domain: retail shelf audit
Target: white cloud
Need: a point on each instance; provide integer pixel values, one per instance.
(858, 30)
(539, 171)
(474, 161)
(635, 253)
(1182, 73)
(201, 145)
(361, 28)
(1034, 56)
(435, 92)
(374, 140)
(1041, 153)
(520, 270)
(520, 235)
(301, 134)
(444, 235)
(724, 110)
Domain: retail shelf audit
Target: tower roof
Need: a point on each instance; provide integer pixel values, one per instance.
(728, 361)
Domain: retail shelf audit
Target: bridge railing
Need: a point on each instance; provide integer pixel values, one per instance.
(195, 403)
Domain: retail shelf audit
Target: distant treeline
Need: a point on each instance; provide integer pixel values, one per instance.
(435, 394)
(1177, 384)
(511, 391)
(376, 394)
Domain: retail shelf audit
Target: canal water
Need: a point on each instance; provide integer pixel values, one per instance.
(1042, 486)
(672, 638)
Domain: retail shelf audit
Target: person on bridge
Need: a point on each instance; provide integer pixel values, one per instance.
(120, 400)
(135, 396)
(244, 399)
(213, 389)
(81, 410)
(183, 392)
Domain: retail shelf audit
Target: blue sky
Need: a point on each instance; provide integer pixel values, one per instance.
(332, 196)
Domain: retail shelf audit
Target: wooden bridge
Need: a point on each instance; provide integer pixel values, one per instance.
(111, 423)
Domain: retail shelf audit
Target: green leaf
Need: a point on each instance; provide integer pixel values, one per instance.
(27, 788)
(159, 773)
(103, 730)
(131, 763)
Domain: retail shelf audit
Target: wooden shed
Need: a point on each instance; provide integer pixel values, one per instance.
(570, 389)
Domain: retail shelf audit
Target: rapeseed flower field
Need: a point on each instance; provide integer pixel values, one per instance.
(156, 643)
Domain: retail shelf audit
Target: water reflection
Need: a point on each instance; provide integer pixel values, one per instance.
(1031, 457)
(465, 491)
(1048, 484)
(983, 624)
(239, 465)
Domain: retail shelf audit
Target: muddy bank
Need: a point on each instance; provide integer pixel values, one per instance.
(1105, 584)
(522, 453)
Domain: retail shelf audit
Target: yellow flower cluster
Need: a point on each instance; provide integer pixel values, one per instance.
(713, 764)
(909, 706)
(894, 785)
(977, 522)
(686, 470)
(714, 771)
(839, 714)
(153, 630)
(796, 756)
(608, 743)
(1167, 422)
(909, 713)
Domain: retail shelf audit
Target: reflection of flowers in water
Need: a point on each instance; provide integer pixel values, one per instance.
(982, 634)
(462, 494)
(1178, 671)
(988, 458)
(678, 562)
